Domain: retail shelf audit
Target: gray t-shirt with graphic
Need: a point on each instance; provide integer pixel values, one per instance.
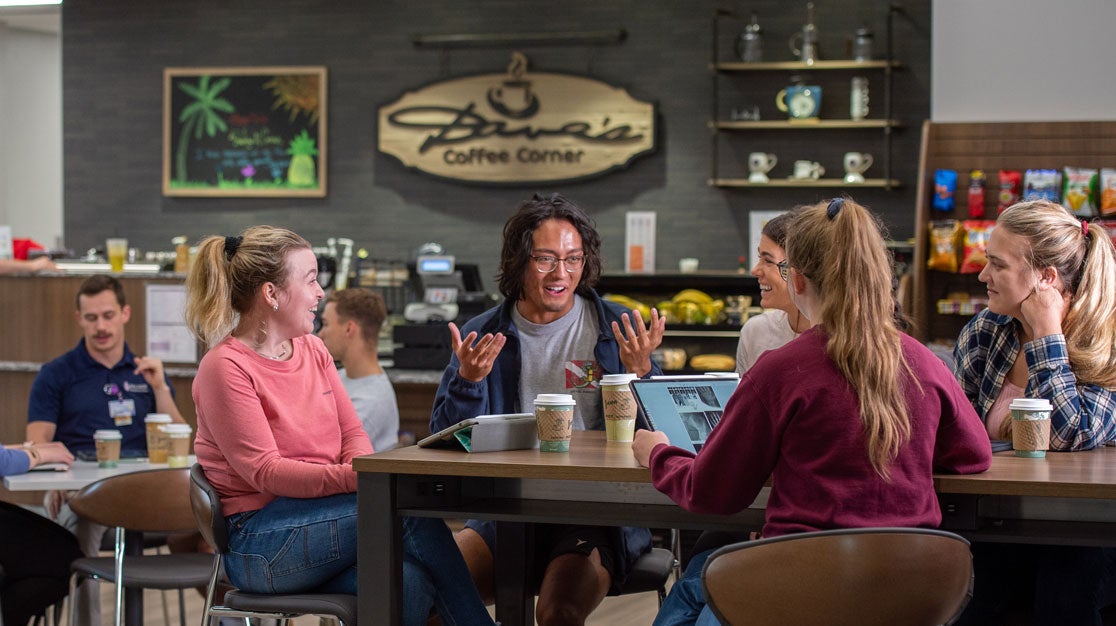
(558, 358)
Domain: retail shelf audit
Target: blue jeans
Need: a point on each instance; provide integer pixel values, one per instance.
(685, 604)
(297, 545)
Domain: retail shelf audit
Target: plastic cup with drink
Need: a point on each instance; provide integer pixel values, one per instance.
(1030, 426)
(554, 419)
(178, 444)
(117, 250)
(108, 447)
(619, 407)
(157, 442)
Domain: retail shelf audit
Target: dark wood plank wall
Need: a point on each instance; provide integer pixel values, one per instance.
(114, 52)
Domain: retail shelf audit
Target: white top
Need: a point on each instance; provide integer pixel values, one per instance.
(766, 331)
(374, 400)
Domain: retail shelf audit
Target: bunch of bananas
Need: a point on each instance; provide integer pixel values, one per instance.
(631, 303)
(692, 306)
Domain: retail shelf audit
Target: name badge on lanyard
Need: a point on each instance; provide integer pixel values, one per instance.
(122, 411)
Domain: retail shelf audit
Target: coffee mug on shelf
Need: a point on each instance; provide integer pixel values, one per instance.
(856, 163)
(759, 164)
(807, 170)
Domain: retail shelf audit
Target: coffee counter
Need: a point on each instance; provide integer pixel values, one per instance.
(39, 325)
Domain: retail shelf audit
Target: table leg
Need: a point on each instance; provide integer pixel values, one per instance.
(379, 552)
(133, 597)
(515, 599)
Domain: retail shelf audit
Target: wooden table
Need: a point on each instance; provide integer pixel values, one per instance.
(1065, 498)
(83, 473)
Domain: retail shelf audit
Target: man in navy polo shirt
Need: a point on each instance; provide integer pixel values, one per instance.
(100, 384)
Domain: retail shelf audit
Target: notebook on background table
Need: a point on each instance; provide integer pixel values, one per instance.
(685, 408)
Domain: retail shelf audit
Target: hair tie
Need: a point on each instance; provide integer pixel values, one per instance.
(834, 207)
(1085, 228)
(231, 245)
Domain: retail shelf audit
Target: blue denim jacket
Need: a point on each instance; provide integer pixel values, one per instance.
(458, 399)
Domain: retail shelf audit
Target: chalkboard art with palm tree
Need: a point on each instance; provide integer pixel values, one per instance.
(244, 132)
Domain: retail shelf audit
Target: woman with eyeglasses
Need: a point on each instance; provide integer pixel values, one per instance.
(1049, 332)
(781, 321)
(849, 420)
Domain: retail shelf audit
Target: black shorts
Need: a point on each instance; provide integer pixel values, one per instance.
(554, 540)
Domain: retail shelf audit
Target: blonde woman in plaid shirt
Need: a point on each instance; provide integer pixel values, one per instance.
(1049, 332)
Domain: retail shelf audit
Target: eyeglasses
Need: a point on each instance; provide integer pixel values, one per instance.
(784, 270)
(547, 264)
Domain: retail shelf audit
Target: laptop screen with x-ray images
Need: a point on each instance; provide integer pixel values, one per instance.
(686, 409)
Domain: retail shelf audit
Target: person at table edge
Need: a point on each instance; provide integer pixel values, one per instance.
(550, 335)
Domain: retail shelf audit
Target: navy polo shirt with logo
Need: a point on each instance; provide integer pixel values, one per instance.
(74, 392)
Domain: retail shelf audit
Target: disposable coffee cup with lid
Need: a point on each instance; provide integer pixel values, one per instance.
(107, 442)
(554, 420)
(1030, 426)
(178, 436)
(619, 407)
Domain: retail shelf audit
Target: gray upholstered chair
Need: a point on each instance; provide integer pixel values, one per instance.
(862, 577)
(206, 504)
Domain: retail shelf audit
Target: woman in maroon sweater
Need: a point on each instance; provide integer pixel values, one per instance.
(850, 419)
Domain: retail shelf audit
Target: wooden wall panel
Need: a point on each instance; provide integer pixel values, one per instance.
(990, 147)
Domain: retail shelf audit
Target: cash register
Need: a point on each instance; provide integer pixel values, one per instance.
(450, 292)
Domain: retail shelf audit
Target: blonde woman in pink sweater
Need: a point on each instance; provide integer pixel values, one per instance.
(277, 434)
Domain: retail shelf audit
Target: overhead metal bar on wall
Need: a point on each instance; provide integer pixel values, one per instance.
(518, 40)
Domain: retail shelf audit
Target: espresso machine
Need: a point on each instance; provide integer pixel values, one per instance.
(449, 293)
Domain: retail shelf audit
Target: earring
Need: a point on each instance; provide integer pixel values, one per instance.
(275, 307)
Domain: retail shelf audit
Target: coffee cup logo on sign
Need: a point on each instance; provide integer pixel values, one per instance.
(856, 163)
(807, 170)
(759, 164)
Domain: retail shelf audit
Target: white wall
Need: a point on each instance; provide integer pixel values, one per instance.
(31, 134)
(1023, 60)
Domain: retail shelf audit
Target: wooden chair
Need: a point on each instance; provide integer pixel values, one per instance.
(866, 577)
(206, 505)
(146, 501)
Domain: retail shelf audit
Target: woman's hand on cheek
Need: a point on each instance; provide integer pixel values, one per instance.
(1044, 310)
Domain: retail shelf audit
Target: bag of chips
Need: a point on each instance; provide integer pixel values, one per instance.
(1010, 183)
(974, 246)
(976, 193)
(1042, 185)
(1080, 191)
(943, 245)
(1108, 191)
(945, 183)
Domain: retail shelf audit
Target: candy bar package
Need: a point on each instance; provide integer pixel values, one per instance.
(1010, 183)
(974, 245)
(1108, 191)
(1042, 185)
(945, 184)
(976, 193)
(1080, 191)
(943, 245)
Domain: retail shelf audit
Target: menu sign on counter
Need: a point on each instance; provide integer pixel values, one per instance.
(517, 127)
(244, 131)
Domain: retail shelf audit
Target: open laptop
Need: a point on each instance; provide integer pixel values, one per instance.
(686, 408)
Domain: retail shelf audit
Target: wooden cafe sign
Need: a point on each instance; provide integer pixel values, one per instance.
(517, 128)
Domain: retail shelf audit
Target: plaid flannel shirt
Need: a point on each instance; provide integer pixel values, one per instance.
(1083, 416)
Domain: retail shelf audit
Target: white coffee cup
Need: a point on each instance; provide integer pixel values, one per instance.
(759, 164)
(807, 170)
(855, 165)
